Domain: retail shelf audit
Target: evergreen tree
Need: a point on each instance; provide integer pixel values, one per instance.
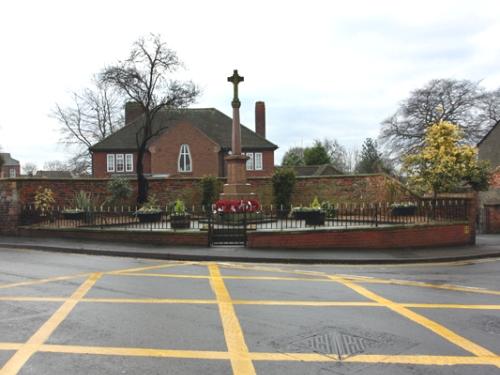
(316, 155)
(371, 159)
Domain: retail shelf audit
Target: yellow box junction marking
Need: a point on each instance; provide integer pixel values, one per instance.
(23, 354)
(238, 354)
(241, 362)
(437, 328)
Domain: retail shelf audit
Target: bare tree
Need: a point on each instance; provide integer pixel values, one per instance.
(94, 115)
(55, 165)
(144, 77)
(461, 102)
(337, 154)
(293, 157)
(352, 159)
(30, 169)
(491, 107)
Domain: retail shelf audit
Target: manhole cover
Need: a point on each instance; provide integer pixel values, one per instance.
(334, 342)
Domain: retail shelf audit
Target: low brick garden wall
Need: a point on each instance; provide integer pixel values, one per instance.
(365, 238)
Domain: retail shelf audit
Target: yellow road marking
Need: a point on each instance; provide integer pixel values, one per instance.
(427, 360)
(32, 299)
(9, 346)
(249, 302)
(417, 318)
(362, 280)
(43, 281)
(135, 352)
(235, 340)
(17, 361)
(166, 275)
(147, 268)
(306, 303)
(150, 300)
(357, 279)
(451, 306)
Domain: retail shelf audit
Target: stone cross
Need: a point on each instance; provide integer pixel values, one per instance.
(235, 79)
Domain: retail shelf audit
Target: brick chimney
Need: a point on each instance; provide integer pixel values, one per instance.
(260, 119)
(132, 111)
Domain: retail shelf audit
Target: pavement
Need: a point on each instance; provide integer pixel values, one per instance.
(487, 246)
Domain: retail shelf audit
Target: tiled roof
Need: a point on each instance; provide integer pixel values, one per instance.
(8, 161)
(215, 124)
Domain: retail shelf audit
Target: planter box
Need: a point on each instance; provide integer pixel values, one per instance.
(282, 214)
(148, 217)
(310, 217)
(180, 221)
(77, 215)
(404, 211)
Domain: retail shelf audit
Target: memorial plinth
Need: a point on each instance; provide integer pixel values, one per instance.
(237, 186)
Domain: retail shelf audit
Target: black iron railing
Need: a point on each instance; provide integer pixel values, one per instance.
(268, 218)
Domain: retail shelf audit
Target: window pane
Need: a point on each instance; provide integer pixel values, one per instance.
(184, 159)
(12, 173)
(120, 166)
(111, 163)
(258, 161)
(129, 162)
(250, 161)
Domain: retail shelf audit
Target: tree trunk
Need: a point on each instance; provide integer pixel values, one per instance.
(142, 182)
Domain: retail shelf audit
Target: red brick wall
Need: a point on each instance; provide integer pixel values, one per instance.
(340, 189)
(376, 238)
(492, 218)
(9, 206)
(99, 164)
(163, 238)
(165, 152)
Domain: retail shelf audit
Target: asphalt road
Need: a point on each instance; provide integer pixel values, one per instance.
(78, 314)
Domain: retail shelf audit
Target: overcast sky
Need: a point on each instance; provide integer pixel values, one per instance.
(324, 68)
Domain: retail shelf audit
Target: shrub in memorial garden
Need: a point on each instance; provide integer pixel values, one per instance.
(283, 182)
(120, 191)
(444, 163)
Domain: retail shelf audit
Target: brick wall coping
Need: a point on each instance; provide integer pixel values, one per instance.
(336, 176)
(380, 228)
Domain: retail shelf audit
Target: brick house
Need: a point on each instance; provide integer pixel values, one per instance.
(489, 149)
(11, 167)
(188, 143)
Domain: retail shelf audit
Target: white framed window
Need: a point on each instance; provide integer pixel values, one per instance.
(185, 164)
(258, 161)
(120, 163)
(110, 163)
(12, 172)
(129, 162)
(249, 161)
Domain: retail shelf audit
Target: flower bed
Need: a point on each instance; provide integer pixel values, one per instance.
(237, 206)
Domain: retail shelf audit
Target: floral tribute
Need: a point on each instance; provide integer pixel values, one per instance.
(237, 206)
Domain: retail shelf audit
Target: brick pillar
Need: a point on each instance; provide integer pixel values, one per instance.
(9, 207)
(473, 210)
(492, 218)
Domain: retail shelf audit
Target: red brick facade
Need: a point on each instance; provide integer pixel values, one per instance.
(163, 153)
(9, 171)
